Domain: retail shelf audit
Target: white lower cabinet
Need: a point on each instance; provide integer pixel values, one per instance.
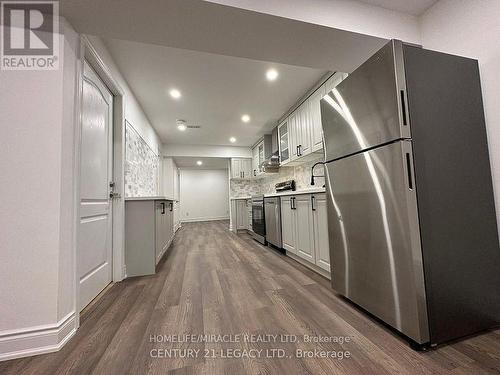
(320, 224)
(288, 224)
(241, 214)
(149, 231)
(304, 228)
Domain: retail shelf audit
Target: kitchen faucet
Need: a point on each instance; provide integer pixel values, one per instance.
(312, 172)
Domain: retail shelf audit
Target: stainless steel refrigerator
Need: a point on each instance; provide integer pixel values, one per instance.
(412, 225)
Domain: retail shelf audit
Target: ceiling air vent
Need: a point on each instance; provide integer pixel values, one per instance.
(183, 124)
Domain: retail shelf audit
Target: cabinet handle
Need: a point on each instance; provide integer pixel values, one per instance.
(313, 202)
(171, 206)
(298, 153)
(292, 199)
(243, 174)
(163, 208)
(254, 173)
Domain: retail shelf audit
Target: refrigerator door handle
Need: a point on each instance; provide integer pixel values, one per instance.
(409, 169)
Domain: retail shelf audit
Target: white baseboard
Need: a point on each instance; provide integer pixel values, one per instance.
(37, 340)
(205, 219)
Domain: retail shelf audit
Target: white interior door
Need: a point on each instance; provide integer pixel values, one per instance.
(95, 237)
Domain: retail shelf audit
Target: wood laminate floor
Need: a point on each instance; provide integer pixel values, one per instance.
(215, 282)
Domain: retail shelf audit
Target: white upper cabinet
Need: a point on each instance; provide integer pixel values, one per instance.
(257, 158)
(241, 168)
(293, 135)
(301, 134)
(284, 142)
(304, 140)
(255, 162)
(315, 117)
(236, 168)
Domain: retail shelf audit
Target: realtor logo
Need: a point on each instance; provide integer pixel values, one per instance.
(29, 35)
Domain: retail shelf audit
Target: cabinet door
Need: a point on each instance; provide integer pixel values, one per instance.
(159, 229)
(315, 118)
(169, 222)
(247, 168)
(241, 214)
(304, 139)
(261, 154)
(292, 129)
(288, 224)
(235, 168)
(255, 161)
(283, 142)
(304, 228)
(320, 221)
(249, 214)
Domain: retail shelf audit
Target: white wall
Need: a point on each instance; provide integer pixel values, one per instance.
(169, 183)
(37, 117)
(204, 194)
(134, 113)
(37, 186)
(472, 29)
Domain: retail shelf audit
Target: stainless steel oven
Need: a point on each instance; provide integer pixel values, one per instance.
(258, 219)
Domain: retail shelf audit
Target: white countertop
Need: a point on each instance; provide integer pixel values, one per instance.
(154, 198)
(240, 198)
(297, 192)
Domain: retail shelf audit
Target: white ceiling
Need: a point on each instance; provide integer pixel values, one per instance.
(216, 91)
(187, 162)
(414, 7)
(203, 26)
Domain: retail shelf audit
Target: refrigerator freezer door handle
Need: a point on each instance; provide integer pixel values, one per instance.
(403, 107)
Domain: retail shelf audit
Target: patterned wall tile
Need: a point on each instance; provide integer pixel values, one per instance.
(265, 185)
(142, 166)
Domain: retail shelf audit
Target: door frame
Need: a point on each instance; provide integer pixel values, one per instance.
(90, 54)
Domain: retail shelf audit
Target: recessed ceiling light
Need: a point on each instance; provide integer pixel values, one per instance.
(245, 118)
(272, 74)
(232, 139)
(176, 94)
(181, 127)
(199, 162)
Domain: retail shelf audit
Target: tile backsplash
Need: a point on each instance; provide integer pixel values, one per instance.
(265, 185)
(142, 166)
